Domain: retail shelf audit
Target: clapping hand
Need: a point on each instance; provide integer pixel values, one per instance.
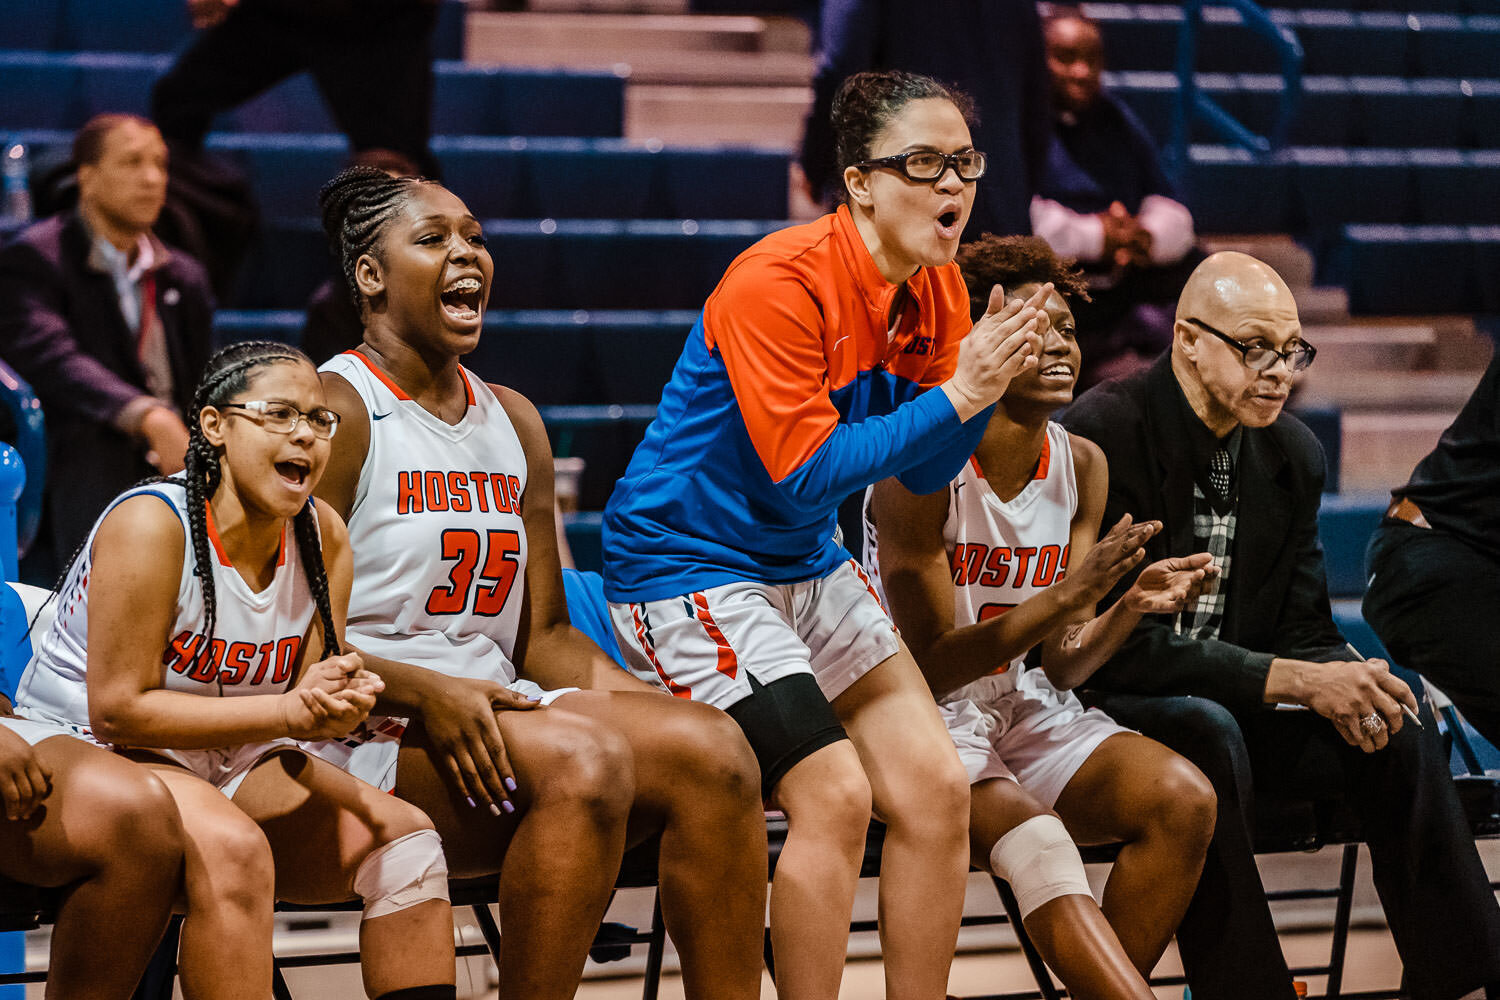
(333, 696)
(1169, 585)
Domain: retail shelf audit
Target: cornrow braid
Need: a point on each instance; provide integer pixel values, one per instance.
(226, 375)
(356, 205)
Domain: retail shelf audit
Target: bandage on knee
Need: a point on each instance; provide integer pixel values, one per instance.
(403, 873)
(1041, 863)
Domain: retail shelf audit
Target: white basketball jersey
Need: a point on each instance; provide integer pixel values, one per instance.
(439, 545)
(257, 636)
(1002, 552)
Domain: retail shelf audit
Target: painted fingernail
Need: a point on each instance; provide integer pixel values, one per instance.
(510, 784)
(495, 810)
(471, 802)
(506, 805)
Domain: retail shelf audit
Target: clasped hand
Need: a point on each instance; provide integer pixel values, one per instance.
(333, 696)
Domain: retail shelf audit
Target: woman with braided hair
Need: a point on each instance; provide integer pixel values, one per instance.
(459, 605)
(199, 633)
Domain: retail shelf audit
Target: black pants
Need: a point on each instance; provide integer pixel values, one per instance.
(1433, 602)
(1437, 899)
(372, 63)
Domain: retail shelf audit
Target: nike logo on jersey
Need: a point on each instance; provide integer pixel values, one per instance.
(380, 416)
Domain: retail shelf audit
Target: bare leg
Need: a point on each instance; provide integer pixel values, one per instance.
(921, 792)
(322, 824)
(110, 826)
(230, 883)
(1069, 931)
(696, 783)
(826, 798)
(557, 856)
(1135, 790)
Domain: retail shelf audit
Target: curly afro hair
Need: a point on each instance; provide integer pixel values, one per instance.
(1012, 261)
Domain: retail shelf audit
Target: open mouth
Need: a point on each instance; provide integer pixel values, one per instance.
(1057, 371)
(461, 299)
(948, 223)
(293, 472)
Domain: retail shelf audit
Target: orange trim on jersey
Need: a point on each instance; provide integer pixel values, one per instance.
(1045, 462)
(729, 664)
(385, 379)
(860, 572)
(468, 389)
(213, 536)
(643, 640)
(281, 556)
(974, 461)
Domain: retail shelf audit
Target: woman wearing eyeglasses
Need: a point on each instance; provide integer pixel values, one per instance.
(831, 355)
(199, 633)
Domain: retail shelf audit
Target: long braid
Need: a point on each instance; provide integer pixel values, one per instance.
(310, 551)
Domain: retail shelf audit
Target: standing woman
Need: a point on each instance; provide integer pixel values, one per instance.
(459, 606)
(198, 631)
(831, 355)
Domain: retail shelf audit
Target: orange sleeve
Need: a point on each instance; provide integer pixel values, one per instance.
(767, 326)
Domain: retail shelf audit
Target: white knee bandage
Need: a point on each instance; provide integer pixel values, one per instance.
(403, 873)
(1041, 863)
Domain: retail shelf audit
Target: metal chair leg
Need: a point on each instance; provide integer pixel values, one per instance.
(279, 989)
(654, 951)
(489, 929)
(1039, 970)
(1341, 921)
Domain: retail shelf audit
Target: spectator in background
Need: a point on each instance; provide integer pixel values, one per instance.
(989, 49)
(371, 60)
(1104, 200)
(1434, 562)
(110, 327)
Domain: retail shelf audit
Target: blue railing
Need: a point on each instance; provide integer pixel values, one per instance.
(1194, 105)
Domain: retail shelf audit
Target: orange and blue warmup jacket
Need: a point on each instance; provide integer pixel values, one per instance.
(789, 396)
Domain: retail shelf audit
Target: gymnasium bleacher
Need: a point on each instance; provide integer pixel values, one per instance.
(623, 152)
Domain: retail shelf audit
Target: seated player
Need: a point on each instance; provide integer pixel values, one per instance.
(1004, 561)
(459, 606)
(198, 632)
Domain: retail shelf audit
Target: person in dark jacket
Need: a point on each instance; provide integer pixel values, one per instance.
(1198, 441)
(1435, 562)
(110, 327)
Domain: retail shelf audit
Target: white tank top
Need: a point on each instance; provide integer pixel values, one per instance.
(256, 642)
(1002, 552)
(439, 544)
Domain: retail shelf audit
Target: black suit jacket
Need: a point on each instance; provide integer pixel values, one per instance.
(1277, 597)
(62, 330)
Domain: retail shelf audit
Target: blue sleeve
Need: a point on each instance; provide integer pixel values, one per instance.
(947, 459)
(856, 455)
